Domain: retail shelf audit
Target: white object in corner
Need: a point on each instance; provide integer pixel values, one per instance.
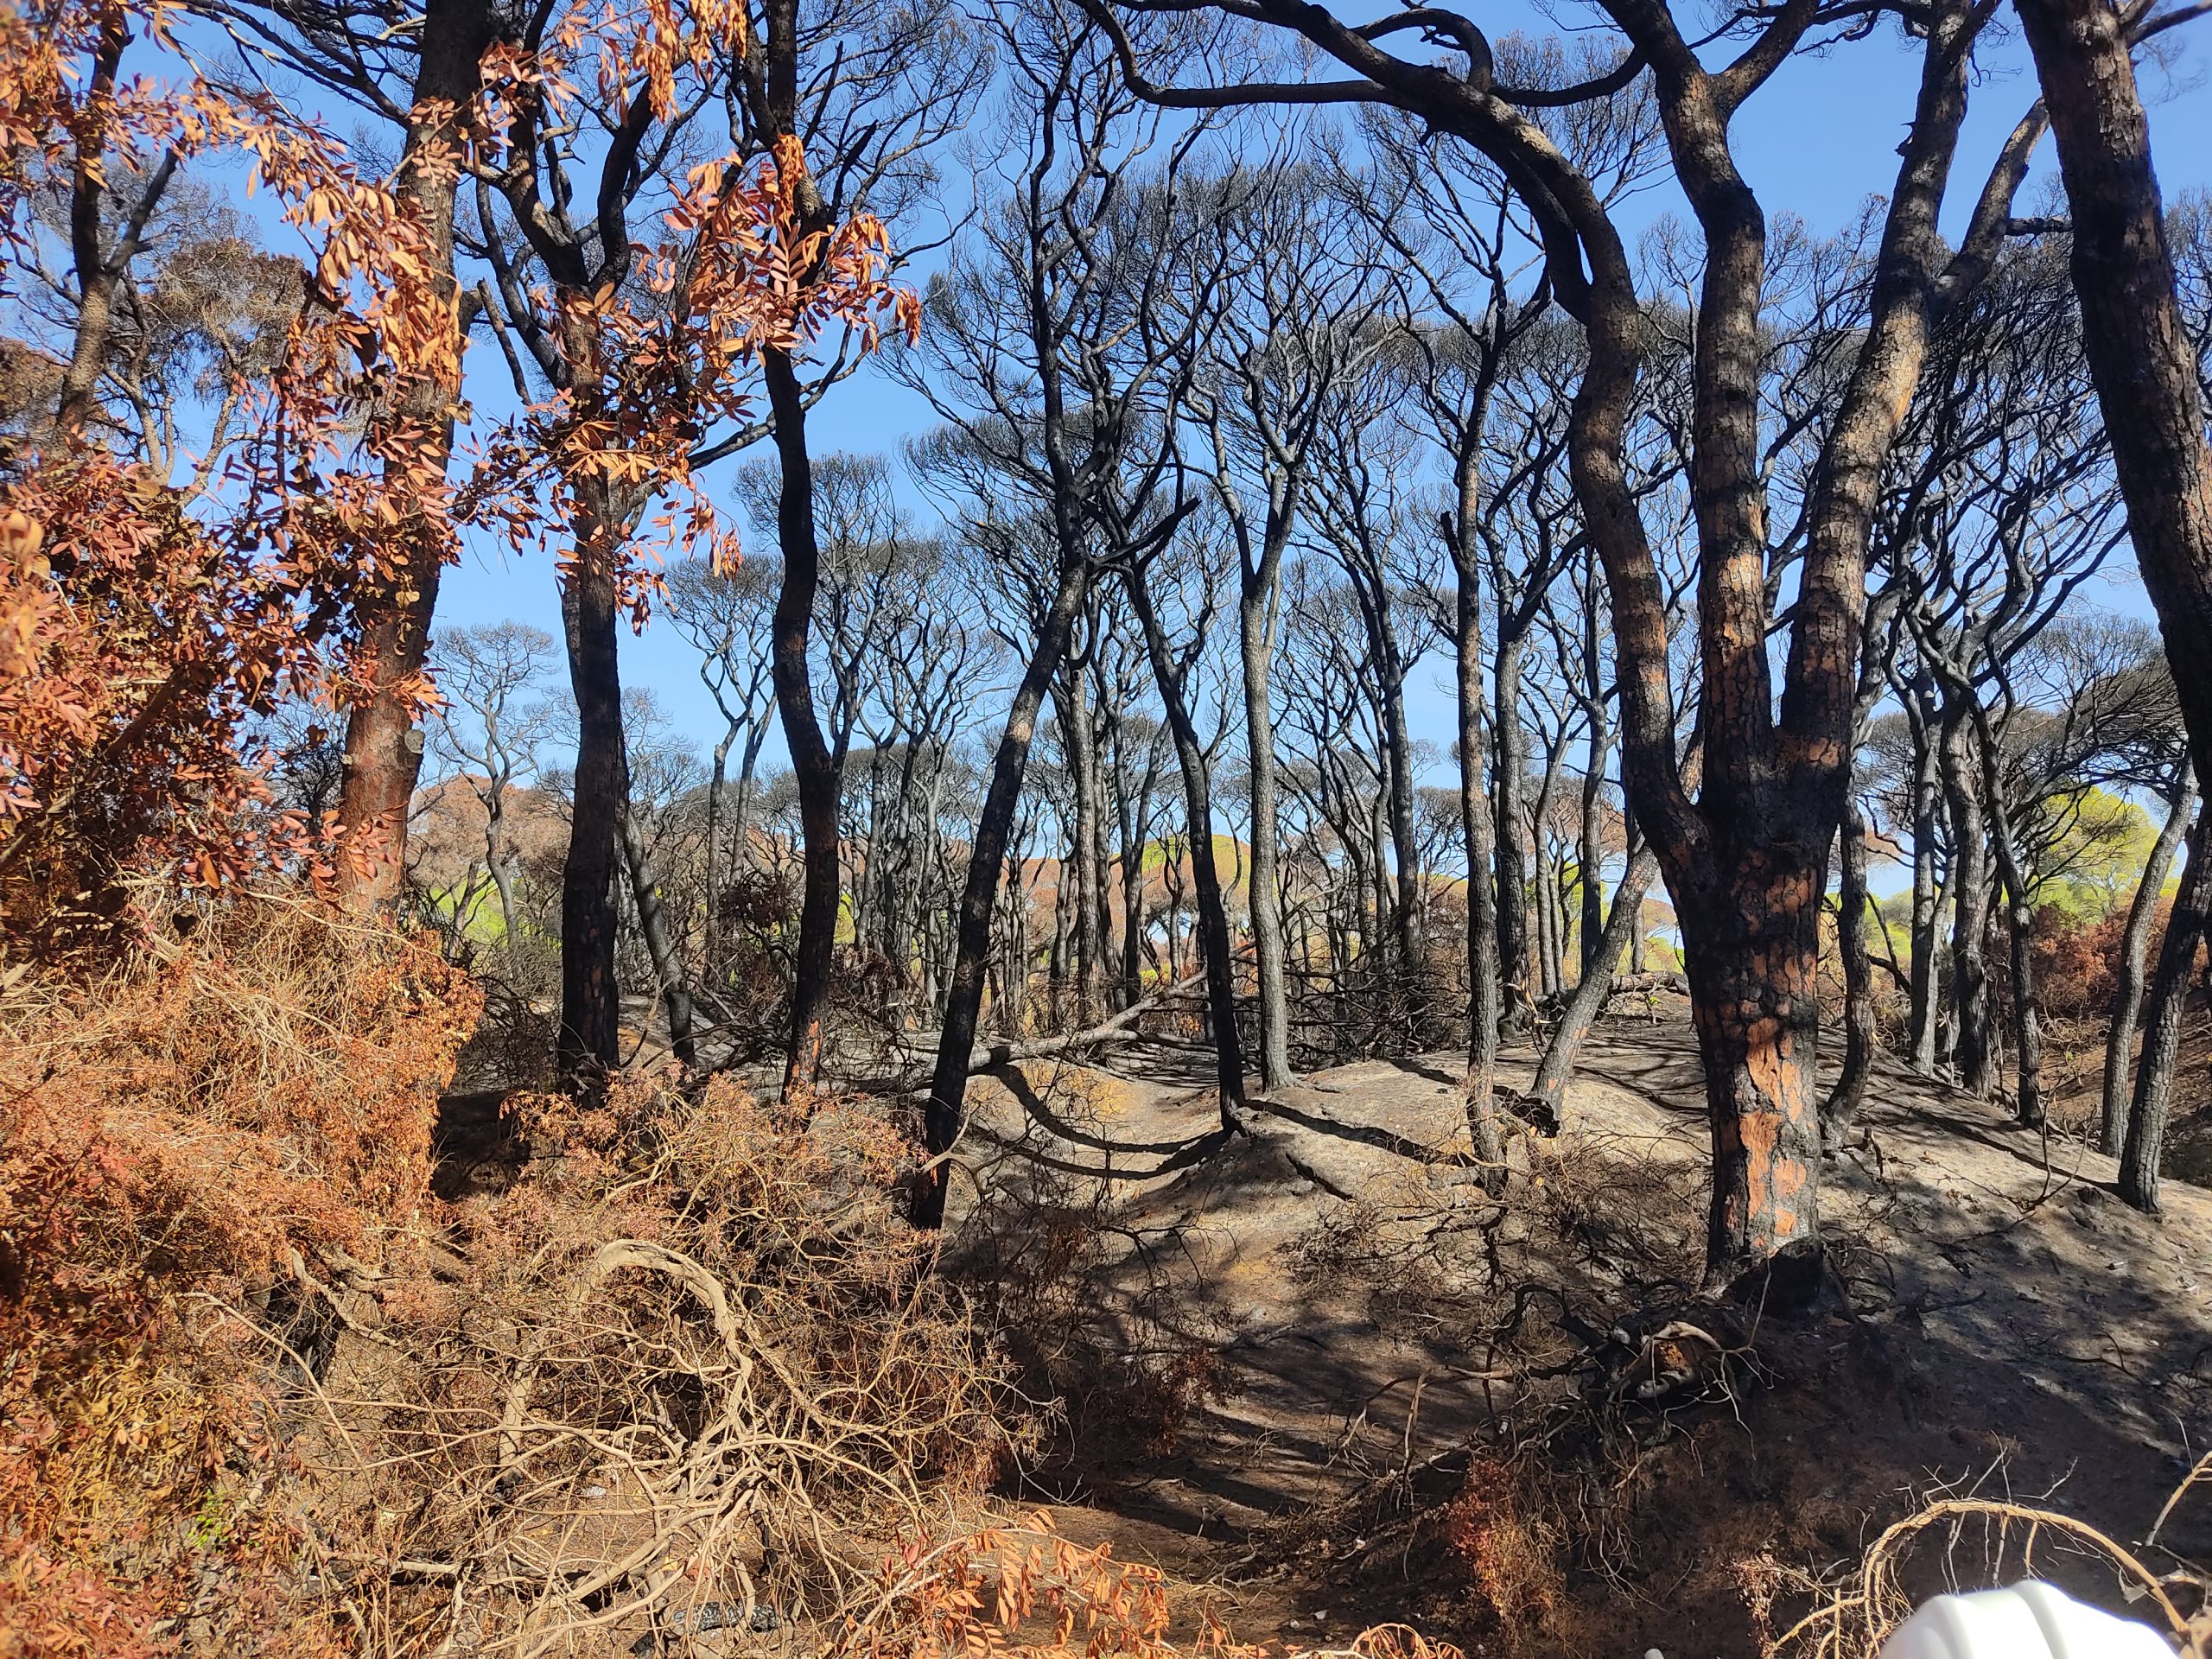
(2028, 1621)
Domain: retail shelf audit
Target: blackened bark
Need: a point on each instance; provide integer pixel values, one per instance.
(1475, 820)
(1205, 877)
(2145, 1144)
(2127, 990)
(814, 768)
(1840, 1109)
(588, 1045)
(1255, 608)
(2139, 355)
(1927, 795)
(1969, 886)
(1507, 839)
(963, 1001)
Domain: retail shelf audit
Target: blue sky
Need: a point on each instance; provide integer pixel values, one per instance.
(1817, 142)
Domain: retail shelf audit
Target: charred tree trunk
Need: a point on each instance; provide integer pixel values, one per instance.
(1839, 1110)
(2145, 1144)
(1476, 821)
(1927, 795)
(1256, 611)
(1206, 878)
(588, 1045)
(814, 769)
(942, 1117)
(2139, 353)
(1969, 884)
(1512, 864)
(2127, 992)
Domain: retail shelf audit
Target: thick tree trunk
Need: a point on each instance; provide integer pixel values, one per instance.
(814, 769)
(2144, 1143)
(2127, 991)
(1753, 955)
(384, 747)
(1840, 1109)
(942, 1118)
(1549, 1093)
(588, 1045)
(2139, 353)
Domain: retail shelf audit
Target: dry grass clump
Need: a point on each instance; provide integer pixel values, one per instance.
(216, 1125)
(692, 1374)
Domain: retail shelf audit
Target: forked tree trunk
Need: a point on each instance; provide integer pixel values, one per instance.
(1213, 914)
(2145, 1144)
(2127, 991)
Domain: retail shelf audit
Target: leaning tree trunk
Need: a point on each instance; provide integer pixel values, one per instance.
(1549, 1093)
(2139, 353)
(814, 769)
(2127, 991)
(1840, 1109)
(2145, 1144)
(942, 1116)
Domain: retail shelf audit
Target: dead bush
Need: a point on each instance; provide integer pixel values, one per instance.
(218, 1126)
(693, 1372)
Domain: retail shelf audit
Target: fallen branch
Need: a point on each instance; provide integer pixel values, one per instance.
(1116, 1028)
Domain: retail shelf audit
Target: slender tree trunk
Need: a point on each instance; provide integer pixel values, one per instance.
(591, 1008)
(1549, 1093)
(942, 1118)
(1263, 885)
(1969, 883)
(2143, 1146)
(1840, 1109)
(814, 769)
(1926, 1002)
(384, 747)
(1512, 867)
(2127, 992)
(652, 922)
(1476, 822)
(2019, 928)
(1077, 737)
(1205, 877)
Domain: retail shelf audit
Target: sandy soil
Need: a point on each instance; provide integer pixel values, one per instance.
(1313, 1363)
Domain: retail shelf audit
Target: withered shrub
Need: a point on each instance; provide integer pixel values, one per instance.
(188, 1147)
(693, 1373)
